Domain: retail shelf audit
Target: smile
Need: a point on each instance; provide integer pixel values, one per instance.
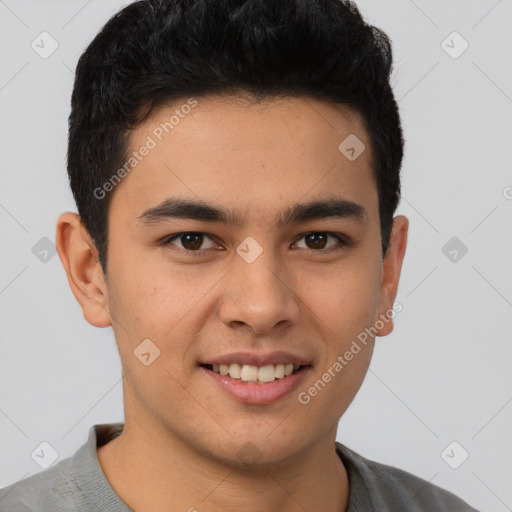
(255, 374)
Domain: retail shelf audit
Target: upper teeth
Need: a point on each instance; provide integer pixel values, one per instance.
(249, 373)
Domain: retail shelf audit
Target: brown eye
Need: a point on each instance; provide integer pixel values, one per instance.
(318, 240)
(190, 241)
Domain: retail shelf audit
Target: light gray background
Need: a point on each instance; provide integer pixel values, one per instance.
(443, 375)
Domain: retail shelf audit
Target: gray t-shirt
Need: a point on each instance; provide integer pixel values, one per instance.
(78, 483)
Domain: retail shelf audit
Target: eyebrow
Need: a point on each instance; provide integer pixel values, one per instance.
(296, 214)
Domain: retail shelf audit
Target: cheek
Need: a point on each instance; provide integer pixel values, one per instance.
(346, 297)
(144, 287)
(158, 302)
(344, 308)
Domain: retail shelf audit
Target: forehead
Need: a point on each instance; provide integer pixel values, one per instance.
(230, 121)
(246, 155)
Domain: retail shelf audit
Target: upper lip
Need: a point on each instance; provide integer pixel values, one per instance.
(255, 359)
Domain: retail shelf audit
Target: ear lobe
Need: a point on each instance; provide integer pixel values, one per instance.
(79, 258)
(391, 269)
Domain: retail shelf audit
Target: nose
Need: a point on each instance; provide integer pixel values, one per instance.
(259, 295)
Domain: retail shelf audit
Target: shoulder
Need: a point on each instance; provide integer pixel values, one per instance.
(391, 488)
(74, 483)
(48, 490)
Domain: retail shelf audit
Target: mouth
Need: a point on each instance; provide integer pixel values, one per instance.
(253, 374)
(257, 379)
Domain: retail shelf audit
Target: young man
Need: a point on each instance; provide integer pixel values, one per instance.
(235, 165)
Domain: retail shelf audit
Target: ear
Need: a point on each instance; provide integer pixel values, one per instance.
(79, 257)
(391, 268)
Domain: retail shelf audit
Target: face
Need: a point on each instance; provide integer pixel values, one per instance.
(278, 263)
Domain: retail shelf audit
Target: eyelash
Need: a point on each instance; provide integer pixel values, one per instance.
(343, 241)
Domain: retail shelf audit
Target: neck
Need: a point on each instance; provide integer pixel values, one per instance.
(156, 471)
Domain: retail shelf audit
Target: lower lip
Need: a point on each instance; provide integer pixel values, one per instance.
(250, 393)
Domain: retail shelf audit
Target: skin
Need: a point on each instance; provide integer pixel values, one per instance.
(185, 443)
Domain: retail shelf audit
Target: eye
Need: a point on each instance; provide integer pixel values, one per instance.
(190, 241)
(318, 240)
(198, 243)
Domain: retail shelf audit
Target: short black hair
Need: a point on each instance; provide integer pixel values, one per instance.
(156, 52)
